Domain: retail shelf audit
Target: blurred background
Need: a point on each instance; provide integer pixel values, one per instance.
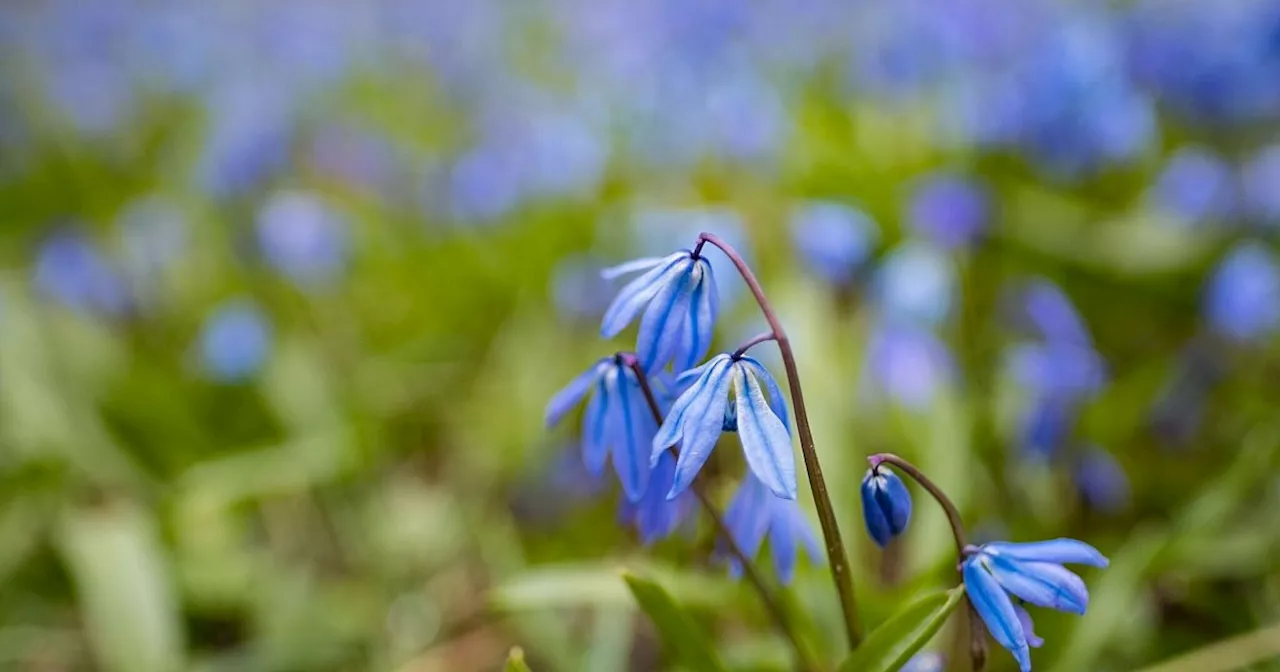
(284, 288)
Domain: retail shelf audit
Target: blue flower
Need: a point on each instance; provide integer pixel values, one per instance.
(949, 209)
(916, 284)
(1259, 177)
(886, 505)
(235, 341)
(907, 363)
(680, 292)
(756, 513)
(699, 417)
(655, 516)
(618, 421)
(1032, 572)
(834, 239)
(1195, 186)
(71, 270)
(1242, 299)
(1101, 481)
(1050, 313)
(302, 238)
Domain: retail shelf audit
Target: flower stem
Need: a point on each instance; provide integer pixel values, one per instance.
(771, 602)
(751, 343)
(977, 636)
(821, 498)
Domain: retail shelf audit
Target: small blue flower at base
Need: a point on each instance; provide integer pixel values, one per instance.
(833, 239)
(235, 342)
(886, 505)
(926, 661)
(1032, 572)
(618, 421)
(1242, 299)
(678, 296)
(654, 516)
(756, 513)
(698, 418)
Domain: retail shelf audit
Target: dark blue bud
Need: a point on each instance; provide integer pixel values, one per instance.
(886, 505)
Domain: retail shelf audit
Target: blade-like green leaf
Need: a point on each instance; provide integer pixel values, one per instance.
(679, 632)
(515, 661)
(891, 645)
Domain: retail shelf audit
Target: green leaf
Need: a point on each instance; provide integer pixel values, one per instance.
(515, 661)
(679, 632)
(891, 645)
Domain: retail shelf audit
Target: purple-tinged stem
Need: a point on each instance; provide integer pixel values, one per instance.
(751, 343)
(836, 556)
(771, 602)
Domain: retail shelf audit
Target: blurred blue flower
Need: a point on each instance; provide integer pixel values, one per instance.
(886, 505)
(618, 420)
(1101, 481)
(1259, 178)
(756, 513)
(1242, 298)
(576, 290)
(927, 661)
(1046, 426)
(1057, 369)
(654, 515)
(907, 363)
(656, 230)
(70, 270)
(677, 327)
(1196, 186)
(248, 141)
(302, 238)
(916, 283)
(833, 239)
(698, 417)
(235, 341)
(1048, 311)
(1032, 572)
(949, 209)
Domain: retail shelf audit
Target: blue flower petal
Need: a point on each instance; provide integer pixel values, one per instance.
(595, 427)
(702, 423)
(699, 324)
(776, 401)
(571, 394)
(896, 501)
(873, 515)
(1028, 627)
(663, 322)
(634, 435)
(747, 520)
(633, 297)
(633, 266)
(765, 440)
(1062, 551)
(673, 425)
(789, 530)
(1040, 583)
(996, 610)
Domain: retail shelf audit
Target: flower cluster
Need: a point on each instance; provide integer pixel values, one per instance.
(660, 413)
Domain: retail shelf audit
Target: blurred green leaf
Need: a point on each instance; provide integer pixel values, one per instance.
(597, 584)
(1236, 653)
(679, 632)
(122, 581)
(891, 645)
(515, 661)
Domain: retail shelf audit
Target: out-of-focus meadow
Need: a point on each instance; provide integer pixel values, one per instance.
(285, 286)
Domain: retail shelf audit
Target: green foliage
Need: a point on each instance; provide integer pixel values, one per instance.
(891, 645)
(679, 632)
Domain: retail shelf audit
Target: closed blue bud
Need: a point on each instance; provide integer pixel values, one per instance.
(756, 513)
(678, 296)
(617, 422)
(698, 417)
(886, 505)
(1242, 299)
(235, 342)
(1032, 572)
(833, 239)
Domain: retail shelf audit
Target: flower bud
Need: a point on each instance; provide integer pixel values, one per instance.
(886, 505)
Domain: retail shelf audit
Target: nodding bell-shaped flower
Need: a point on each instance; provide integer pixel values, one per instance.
(682, 302)
(756, 513)
(886, 505)
(618, 421)
(1032, 572)
(699, 417)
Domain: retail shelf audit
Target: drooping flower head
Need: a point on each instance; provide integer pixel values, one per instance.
(678, 296)
(1032, 572)
(756, 513)
(886, 505)
(699, 417)
(618, 421)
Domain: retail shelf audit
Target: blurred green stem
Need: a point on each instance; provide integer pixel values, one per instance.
(821, 498)
(776, 611)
